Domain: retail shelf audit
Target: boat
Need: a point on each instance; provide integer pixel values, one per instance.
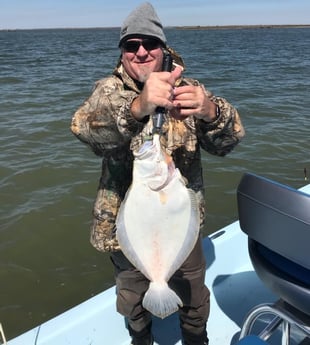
(238, 294)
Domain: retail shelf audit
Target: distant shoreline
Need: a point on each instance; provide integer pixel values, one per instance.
(185, 27)
(221, 27)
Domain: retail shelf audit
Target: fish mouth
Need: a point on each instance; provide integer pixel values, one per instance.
(156, 166)
(145, 151)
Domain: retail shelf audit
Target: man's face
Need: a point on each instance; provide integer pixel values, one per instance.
(140, 57)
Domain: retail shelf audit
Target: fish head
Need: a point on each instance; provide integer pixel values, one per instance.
(152, 165)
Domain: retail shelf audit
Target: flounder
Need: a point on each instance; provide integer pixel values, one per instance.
(157, 224)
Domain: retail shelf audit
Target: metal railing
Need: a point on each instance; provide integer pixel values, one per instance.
(2, 336)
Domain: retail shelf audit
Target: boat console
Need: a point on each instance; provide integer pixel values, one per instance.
(276, 219)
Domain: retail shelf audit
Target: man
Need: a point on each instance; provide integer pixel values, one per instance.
(114, 121)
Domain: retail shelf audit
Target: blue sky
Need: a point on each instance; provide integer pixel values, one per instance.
(21, 14)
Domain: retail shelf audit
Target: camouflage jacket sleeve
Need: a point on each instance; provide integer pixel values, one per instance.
(222, 135)
(104, 121)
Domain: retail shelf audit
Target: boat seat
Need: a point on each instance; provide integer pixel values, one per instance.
(276, 219)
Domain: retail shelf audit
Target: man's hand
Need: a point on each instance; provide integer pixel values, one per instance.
(193, 100)
(158, 91)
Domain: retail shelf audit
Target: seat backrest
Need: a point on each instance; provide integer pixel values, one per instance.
(276, 216)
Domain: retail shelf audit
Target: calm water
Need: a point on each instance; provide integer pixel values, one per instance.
(48, 179)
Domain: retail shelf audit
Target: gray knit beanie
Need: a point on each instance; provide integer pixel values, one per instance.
(143, 21)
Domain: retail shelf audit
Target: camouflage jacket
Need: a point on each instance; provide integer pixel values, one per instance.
(104, 122)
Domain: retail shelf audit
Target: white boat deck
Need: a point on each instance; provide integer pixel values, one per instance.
(234, 287)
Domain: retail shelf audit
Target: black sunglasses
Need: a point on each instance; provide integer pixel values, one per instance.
(133, 46)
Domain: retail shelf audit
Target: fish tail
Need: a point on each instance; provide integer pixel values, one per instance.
(160, 300)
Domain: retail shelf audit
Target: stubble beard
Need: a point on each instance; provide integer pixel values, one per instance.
(144, 73)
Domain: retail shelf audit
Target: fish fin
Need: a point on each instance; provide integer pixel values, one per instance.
(124, 241)
(195, 218)
(193, 231)
(160, 300)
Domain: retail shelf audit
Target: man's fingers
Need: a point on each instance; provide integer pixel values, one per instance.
(175, 75)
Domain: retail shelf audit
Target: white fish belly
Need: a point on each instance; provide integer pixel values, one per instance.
(158, 229)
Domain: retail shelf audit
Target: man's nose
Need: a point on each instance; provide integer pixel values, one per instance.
(141, 51)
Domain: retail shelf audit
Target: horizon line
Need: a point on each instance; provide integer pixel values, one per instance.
(232, 26)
